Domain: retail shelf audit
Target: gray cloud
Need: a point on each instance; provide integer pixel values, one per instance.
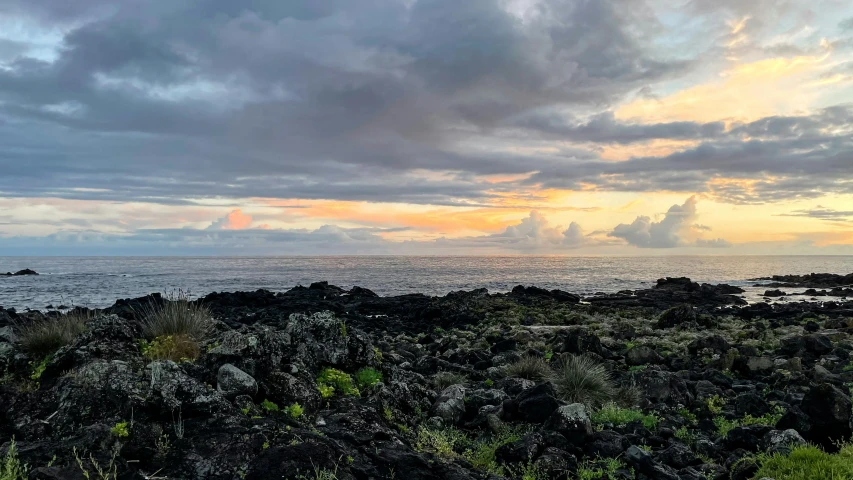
(822, 213)
(330, 94)
(173, 102)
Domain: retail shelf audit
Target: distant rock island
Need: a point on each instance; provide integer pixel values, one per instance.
(19, 273)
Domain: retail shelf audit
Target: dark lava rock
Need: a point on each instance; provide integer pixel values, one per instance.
(774, 293)
(19, 273)
(829, 412)
(642, 355)
(607, 444)
(538, 403)
(643, 463)
(571, 421)
(677, 456)
(676, 316)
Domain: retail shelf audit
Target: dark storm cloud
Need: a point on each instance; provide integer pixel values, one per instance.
(172, 102)
(177, 100)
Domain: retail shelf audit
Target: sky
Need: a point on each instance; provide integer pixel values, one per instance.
(575, 127)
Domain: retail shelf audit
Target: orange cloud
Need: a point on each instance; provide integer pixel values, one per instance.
(235, 220)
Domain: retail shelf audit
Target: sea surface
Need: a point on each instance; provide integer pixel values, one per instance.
(99, 281)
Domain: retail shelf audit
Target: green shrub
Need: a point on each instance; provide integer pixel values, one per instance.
(269, 406)
(715, 404)
(39, 368)
(121, 430)
(529, 367)
(481, 452)
(367, 377)
(339, 381)
(175, 316)
(685, 435)
(610, 413)
(582, 380)
(808, 462)
(44, 336)
(177, 348)
(442, 380)
(295, 410)
(10, 466)
(440, 442)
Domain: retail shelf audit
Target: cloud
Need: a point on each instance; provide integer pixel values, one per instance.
(645, 233)
(822, 213)
(338, 100)
(235, 220)
(670, 232)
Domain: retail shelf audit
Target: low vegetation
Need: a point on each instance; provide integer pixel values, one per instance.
(529, 367)
(11, 467)
(367, 377)
(177, 348)
(176, 316)
(583, 380)
(808, 462)
(332, 381)
(615, 415)
(44, 336)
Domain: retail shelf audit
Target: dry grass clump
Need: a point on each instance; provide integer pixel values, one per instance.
(529, 367)
(176, 316)
(44, 336)
(583, 380)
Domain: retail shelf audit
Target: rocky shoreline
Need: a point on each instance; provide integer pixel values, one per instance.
(325, 383)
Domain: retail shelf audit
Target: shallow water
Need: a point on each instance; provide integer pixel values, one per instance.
(99, 281)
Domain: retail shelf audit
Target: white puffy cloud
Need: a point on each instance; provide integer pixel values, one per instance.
(670, 232)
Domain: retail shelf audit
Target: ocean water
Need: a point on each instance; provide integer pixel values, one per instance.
(99, 281)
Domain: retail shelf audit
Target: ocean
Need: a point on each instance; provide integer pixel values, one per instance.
(99, 281)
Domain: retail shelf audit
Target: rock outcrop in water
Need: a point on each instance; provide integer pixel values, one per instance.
(19, 273)
(701, 383)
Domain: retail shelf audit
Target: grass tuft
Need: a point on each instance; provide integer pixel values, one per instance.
(583, 380)
(45, 336)
(808, 462)
(529, 367)
(176, 316)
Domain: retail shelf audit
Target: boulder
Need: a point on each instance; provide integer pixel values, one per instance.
(572, 421)
(607, 444)
(662, 387)
(676, 316)
(642, 355)
(643, 463)
(450, 404)
(677, 456)
(781, 441)
(751, 404)
(537, 404)
(231, 381)
(829, 412)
